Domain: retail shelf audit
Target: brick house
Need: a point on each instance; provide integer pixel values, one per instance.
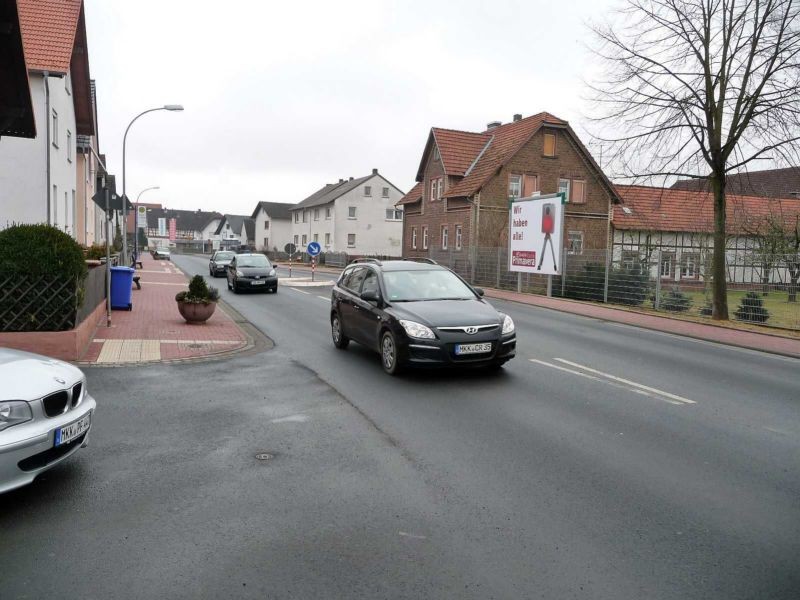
(465, 180)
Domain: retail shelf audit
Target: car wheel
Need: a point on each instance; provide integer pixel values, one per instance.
(389, 358)
(340, 340)
(275, 290)
(235, 288)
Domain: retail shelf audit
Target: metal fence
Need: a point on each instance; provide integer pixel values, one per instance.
(644, 282)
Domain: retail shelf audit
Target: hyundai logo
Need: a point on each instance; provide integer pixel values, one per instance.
(471, 330)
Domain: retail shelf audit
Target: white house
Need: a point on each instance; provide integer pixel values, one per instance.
(356, 216)
(38, 177)
(191, 226)
(236, 230)
(273, 225)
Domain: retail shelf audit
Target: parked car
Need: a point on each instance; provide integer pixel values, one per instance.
(252, 272)
(46, 414)
(418, 313)
(218, 264)
(161, 254)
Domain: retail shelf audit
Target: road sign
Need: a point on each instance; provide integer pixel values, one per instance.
(141, 217)
(290, 248)
(535, 234)
(313, 248)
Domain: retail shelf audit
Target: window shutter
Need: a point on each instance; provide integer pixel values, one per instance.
(530, 185)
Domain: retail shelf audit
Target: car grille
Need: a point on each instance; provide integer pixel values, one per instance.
(37, 461)
(76, 394)
(469, 329)
(55, 404)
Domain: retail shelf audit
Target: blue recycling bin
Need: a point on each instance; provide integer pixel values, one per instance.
(121, 286)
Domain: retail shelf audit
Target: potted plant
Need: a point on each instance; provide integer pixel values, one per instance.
(198, 303)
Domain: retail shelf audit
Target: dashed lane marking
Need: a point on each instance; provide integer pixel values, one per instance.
(300, 291)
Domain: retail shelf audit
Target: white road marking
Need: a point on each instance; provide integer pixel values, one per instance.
(413, 535)
(300, 291)
(627, 382)
(291, 419)
(326, 298)
(552, 366)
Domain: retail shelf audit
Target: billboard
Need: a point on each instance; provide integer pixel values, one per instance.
(536, 234)
(162, 227)
(173, 228)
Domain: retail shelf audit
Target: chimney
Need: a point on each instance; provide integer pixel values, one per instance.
(341, 180)
(351, 179)
(493, 124)
(374, 171)
(517, 117)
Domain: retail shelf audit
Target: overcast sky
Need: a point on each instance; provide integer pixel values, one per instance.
(283, 97)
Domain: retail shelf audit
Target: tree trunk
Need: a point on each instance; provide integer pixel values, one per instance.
(719, 303)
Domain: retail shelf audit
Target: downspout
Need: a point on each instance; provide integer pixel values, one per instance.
(47, 141)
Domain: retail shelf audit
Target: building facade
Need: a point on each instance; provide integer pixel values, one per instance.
(357, 216)
(273, 226)
(234, 231)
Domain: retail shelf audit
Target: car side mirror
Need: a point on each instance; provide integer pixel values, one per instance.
(370, 296)
(275, 265)
(479, 291)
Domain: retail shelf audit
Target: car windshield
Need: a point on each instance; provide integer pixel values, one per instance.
(255, 260)
(406, 286)
(223, 256)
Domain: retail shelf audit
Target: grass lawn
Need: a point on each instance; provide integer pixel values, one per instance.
(782, 313)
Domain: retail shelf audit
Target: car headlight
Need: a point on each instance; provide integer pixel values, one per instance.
(417, 330)
(508, 325)
(14, 412)
(239, 273)
(272, 273)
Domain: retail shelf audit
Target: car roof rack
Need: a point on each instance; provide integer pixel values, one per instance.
(366, 260)
(430, 261)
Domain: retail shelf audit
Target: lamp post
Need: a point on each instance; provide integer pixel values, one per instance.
(170, 107)
(136, 222)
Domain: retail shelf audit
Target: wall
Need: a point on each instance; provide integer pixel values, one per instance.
(374, 233)
(279, 232)
(85, 217)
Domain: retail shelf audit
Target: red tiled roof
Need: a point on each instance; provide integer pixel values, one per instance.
(658, 209)
(48, 33)
(459, 149)
(506, 140)
(771, 183)
(413, 195)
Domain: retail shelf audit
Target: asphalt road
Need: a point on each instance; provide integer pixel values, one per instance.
(603, 462)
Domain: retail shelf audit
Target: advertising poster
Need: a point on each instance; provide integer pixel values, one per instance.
(162, 227)
(173, 228)
(535, 235)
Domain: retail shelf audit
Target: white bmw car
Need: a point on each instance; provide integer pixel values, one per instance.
(45, 415)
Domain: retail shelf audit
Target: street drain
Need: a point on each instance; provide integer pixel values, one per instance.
(265, 456)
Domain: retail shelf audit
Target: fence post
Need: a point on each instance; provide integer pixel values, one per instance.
(605, 283)
(519, 283)
(497, 285)
(658, 281)
(563, 271)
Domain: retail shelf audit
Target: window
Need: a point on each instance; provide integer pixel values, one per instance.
(413, 238)
(424, 238)
(352, 280)
(690, 266)
(327, 212)
(667, 266)
(578, 191)
(393, 214)
(368, 190)
(458, 237)
(436, 155)
(445, 237)
(54, 133)
(385, 192)
(295, 240)
(439, 188)
(296, 217)
(530, 185)
(305, 240)
(228, 226)
(266, 243)
(575, 242)
(316, 214)
(432, 197)
(327, 239)
(69, 145)
(351, 212)
(351, 240)
(266, 224)
(370, 282)
(549, 144)
(514, 186)
(305, 216)
(630, 259)
(563, 187)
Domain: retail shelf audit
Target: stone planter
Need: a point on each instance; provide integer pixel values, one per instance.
(196, 313)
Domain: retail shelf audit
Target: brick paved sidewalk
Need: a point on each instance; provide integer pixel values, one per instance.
(154, 329)
(767, 342)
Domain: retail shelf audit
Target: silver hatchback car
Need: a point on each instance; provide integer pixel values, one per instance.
(45, 415)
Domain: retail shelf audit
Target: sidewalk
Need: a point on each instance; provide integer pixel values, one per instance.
(154, 330)
(767, 342)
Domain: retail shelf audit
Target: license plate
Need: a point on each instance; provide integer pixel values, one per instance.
(257, 282)
(67, 433)
(473, 348)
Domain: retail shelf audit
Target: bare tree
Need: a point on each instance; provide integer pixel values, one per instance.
(700, 88)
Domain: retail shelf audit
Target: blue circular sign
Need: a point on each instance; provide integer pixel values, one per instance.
(313, 248)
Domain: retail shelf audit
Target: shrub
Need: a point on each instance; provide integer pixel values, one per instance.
(586, 284)
(625, 286)
(198, 292)
(40, 250)
(95, 252)
(676, 301)
(751, 308)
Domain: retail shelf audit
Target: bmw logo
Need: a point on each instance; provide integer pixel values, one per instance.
(59, 380)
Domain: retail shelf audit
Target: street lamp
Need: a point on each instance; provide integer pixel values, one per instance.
(136, 219)
(170, 107)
